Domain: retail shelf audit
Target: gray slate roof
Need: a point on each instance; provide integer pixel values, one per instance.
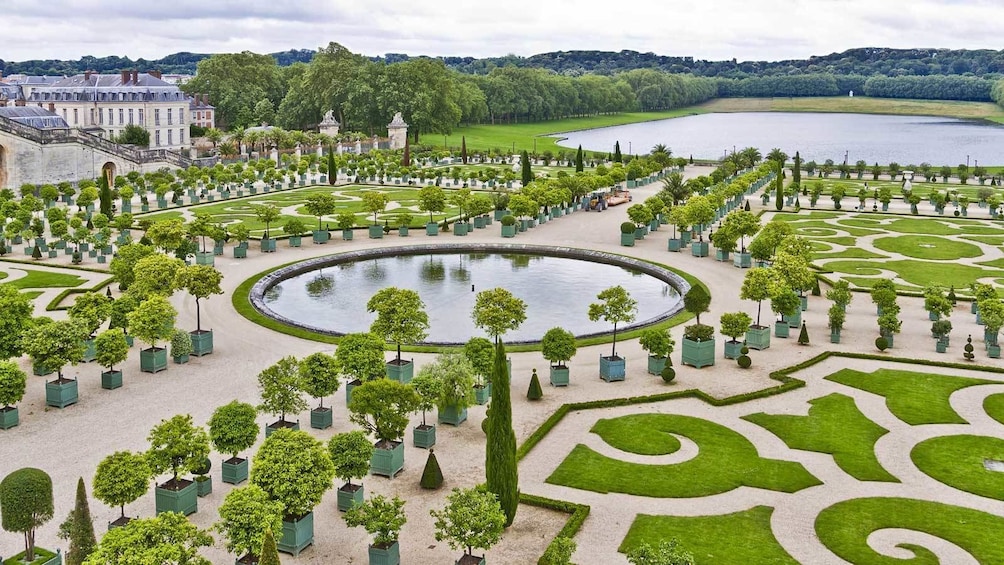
(108, 88)
(33, 116)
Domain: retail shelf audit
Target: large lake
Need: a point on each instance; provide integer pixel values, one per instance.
(871, 137)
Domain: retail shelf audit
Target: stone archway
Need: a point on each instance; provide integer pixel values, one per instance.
(108, 171)
(3, 167)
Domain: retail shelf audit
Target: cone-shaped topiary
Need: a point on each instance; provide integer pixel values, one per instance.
(269, 552)
(432, 475)
(79, 529)
(534, 392)
(36, 253)
(803, 336)
(815, 287)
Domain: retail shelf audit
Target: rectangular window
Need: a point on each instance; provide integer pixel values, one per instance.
(121, 116)
(157, 137)
(181, 115)
(75, 120)
(170, 136)
(181, 136)
(169, 112)
(111, 117)
(130, 116)
(64, 115)
(141, 121)
(92, 117)
(156, 117)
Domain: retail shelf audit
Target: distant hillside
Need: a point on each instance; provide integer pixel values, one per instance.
(866, 61)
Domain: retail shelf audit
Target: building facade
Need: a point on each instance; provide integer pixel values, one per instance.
(106, 104)
(202, 112)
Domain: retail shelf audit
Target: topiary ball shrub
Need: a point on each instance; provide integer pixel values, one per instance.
(881, 343)
(668, 374)
(432, 475)
(744, 350)
(484, 423)
(627, 227)
(969, 349)
(508, 220)
(534, 392)
(744, 361)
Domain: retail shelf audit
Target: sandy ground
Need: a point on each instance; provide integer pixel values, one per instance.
(69, 443)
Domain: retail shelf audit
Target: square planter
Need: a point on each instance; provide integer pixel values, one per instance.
(40, 371)
(699, 249)
(732, 349)
(639, 233)
(424, 436)
(240, 252)
(267, 245)
(558, 375)
(297, 534)
(941, 346)
(804, 300)
(402, 372)
(390, 555)
(205, 258)
(235, 470)
(348, 390)
(460, 228)
(722, 255)
(321, 236)
(470, 560)
(781, 329)
(349, 496)
(432, 228)
(9, 417)
(111, 380)
(758, 337)
(42, 557)
(347, 235)
(612, 368)
(794, 320)
(180, 359)
(376, 232)
(153, 360)
(183, 500)
(202, 342)
(482, 394)
(204, 486)
(388, 461)
(281, 424)
(627, 239)
(61, 393)
(656, 365)
(402, 231)
(90, 351)
(834, 336)
(480, 222)
(674, 245)
(698, 353)
(452, 415)
(994, 351)
(321, 418)
(508, 231)
(218, 248)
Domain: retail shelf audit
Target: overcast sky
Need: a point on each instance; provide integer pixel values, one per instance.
(707, 29)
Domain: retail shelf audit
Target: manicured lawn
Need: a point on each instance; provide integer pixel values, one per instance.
(3, 275)
(993, 405)
(851, 253)
(844, 528)
(45, 279)
(958, 460)
(726, 460)
(835, 426)
(915, 398)
(926, 226)
(927, 247)
(915, 272)
(741, 537)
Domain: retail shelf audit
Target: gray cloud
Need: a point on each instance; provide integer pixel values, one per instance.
(723, 29)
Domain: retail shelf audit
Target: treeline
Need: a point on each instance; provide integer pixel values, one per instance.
(183, 63)
(927, 88)
(248, 89)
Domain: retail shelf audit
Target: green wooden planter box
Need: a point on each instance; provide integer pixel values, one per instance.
(218, 248)
(9, 417)
(424, 436)
(480, 222)
(205, 258)
(297, 535)
(460, 229)
(482, 394)
(61, 394)
(202, 342)
(321, 236)
(402, 231)
(347, 235)
(558, 375)
(470, 560)
(401, 373)
(388, 462)
(834, 336)
(698, 353)
(321, 418)
(111, 380)
(509, 231)
(376, 232)
(390, 555)
(432, 228)
(941, 346)
(153, 360)
(42, 557)
(656, 365)
(674, 245)
(612, 368)
(685, 236)
(180, 359)
(90, 351)
(40, 371)
(699, 249)
(639, 233)
(721, 255)
(794, 320)
(268, 245)
(781, 329)
(349, 496)
(240, 252)
(452, 415)
(994, 351)
(804, 300)
(758, 337)
(204, 487)
(348, 390)
(270, 428)
(732, 349)
(235, 470)
(627, 239)
(184, 501)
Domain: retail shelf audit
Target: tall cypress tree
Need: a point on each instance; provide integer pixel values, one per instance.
(527, 173)
(779, 189)
(617, 152)
(578, 160)
(500, 451)
(796, 172)
(406, 159)
(79, 528)
(332, 171)
(463, 149)
(104, 196)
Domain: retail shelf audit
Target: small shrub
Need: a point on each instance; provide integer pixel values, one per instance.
(803, 336)
(627, 227)
(744, 361)
(744, 350)
(969, 349)
(510, 220)
(699, 332)
(534, 392)
(181, 344)
(432, 475)
(881, 343)
(668, 373)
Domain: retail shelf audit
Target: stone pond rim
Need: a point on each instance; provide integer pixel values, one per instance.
(265, 282)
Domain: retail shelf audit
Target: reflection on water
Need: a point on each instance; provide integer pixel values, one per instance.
(557, 292)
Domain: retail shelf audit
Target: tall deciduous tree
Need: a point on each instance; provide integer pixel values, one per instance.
(401, 316)
(15, 318)
(55, 345)
(201, 281)
(279, 386)
(246, 516)
(121, 478)
(294, 469)
(615, 306)
(472, 519)
(167, 539)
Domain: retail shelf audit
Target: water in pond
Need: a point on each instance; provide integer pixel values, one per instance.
(869, 137)
(557, 292)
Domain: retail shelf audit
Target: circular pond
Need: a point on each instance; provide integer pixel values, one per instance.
(329, 294)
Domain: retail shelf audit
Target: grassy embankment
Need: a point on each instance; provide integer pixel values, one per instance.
(522, 136)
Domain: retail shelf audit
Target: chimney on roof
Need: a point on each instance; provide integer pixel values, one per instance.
(124, 77)
(52, 107)
(135, 76)
(19, 102)
(154, 74)
(87, 75)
